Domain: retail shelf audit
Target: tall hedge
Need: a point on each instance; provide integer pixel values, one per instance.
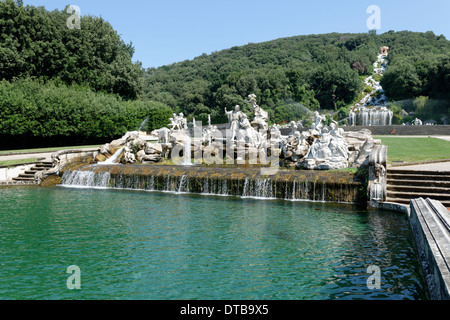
(34, 111)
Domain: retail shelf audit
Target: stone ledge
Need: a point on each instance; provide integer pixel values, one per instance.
(430, 223)
(406, 164)
(391, 206)
(17, 183)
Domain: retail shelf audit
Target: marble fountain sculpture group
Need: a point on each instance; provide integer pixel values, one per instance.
(322, 146)
(319, 147)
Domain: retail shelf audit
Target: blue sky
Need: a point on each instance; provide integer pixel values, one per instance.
(164, 32)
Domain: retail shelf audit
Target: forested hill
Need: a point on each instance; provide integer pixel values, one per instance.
(65, 86)
(316, 71)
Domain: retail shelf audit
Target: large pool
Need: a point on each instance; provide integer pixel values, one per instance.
(151, 245)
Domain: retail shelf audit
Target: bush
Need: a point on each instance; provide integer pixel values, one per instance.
(34, 109)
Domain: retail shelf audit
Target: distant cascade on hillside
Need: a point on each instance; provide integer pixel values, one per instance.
(372, 109)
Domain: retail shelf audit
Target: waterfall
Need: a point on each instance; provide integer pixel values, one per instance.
(375, 116)
(245, 190)
(86, 179)
(372, 109)
(182, 185)
(293, 190)
(113, 158)
(251, 186)
(187, 152)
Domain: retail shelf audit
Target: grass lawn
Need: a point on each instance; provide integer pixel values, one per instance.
(45, 149)
(15, 162)
(402, 149)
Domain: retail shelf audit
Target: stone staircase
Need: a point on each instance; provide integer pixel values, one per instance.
(404, 185)
(28, 175)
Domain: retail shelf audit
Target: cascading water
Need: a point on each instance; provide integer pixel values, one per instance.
(113, 159)
(143, 124)
(375, 116)
(90, 179)
(183, 184)
(372, 109)
(187, 152)
(280, 186)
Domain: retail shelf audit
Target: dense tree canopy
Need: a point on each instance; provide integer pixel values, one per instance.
(36, 42)
(61, 85)
(419, 65)
(316, 71)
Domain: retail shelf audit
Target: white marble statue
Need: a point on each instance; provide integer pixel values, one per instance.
(248, 134)
(417, 122)
(234, 118)
(329, 150)
(182, 122)
(209, 133)
(163, 135)
(173, 121)
(275, 134)
(178, 122)
(259, 122)
(293, 127)
(318, 121)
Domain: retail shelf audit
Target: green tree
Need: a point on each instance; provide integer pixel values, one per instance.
(36, 42)
(401, 81)
(336, 83)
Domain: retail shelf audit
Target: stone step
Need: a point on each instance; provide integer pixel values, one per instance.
(26, 175)
(398, 200)
(29, 175)
(418, 189)
(31, 171)
(446, 203)
(23, 179)
(430, 183)
(411, 195)
(41, 167)
(416, 172)
(408, 176)
(45, 163)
